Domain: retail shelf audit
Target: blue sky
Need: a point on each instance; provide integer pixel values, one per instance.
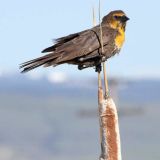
(27, 27)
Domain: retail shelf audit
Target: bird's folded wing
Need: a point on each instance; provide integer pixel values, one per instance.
(82, 44)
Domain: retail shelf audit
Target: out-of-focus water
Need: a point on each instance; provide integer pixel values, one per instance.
(65, 126)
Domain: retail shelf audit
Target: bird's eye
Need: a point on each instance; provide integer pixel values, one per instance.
(116, 17)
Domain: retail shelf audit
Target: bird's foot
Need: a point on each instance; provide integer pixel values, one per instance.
(98, 68)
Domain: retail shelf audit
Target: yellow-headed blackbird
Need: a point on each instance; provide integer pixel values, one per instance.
(84, 48)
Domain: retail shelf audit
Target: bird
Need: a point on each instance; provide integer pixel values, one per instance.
(84, 48)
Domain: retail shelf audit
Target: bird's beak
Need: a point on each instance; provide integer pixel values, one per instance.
(124, 19)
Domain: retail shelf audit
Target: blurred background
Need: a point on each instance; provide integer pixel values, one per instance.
(52, 113)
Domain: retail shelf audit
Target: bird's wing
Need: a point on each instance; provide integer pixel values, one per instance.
(81, 44)
(60, 41)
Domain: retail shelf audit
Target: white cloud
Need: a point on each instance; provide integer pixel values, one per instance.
(57, 77)
(34, 75)
(2, 72)
(10, 153)
(6, 153)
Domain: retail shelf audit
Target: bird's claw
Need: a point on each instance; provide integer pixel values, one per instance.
(98, 68)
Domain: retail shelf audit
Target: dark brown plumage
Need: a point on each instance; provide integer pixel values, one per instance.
(83, 48)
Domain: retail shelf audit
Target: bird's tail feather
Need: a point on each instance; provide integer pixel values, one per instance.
(29, 65)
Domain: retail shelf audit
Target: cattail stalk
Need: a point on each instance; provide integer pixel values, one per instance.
(108, 117)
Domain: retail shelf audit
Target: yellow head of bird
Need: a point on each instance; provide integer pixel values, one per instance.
(116, 20)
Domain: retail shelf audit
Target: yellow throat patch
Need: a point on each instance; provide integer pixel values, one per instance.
(120, 38)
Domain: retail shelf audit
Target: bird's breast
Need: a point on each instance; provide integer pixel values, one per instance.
(120, 38)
